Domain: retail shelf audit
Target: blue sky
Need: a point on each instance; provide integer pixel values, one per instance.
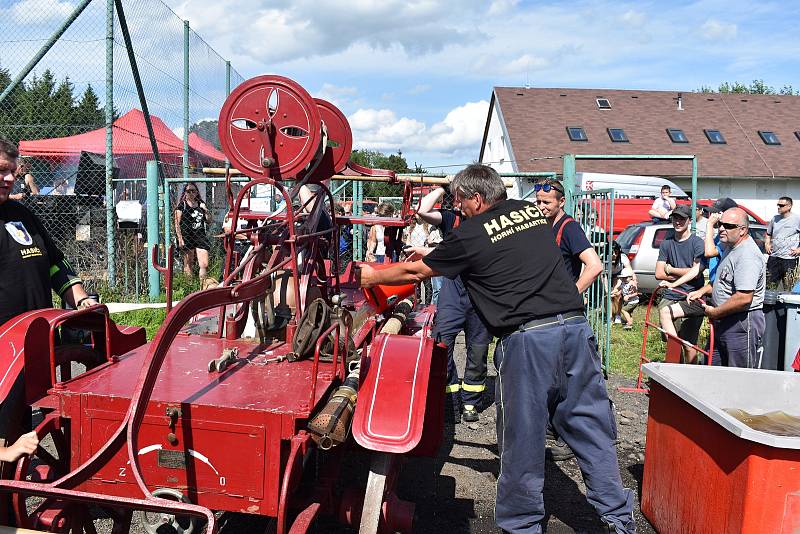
(417, 75)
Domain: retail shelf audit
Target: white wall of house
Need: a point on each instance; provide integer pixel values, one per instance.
(497, 153)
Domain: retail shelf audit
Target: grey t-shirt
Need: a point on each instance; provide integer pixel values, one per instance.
(683, 254)
(785, 234)
(742, 269)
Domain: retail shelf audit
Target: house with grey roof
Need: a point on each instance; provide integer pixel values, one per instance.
(748, 146)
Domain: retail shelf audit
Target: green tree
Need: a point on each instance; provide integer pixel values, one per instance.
(208, 130)
(88, 114)
(378, 160)
(9, 128)
(757, 87)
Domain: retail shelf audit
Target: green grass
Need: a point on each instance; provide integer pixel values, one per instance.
(626, 345)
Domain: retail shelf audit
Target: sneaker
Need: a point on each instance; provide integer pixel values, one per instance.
(617, 320)
(628, 327)
(470, 414)
(559, 451)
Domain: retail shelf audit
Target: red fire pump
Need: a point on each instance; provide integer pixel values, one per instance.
(253, 393)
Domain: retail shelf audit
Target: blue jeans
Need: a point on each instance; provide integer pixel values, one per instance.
(436, 286)
(553, 373)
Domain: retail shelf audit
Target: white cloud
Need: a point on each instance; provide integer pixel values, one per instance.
(40, 12)
(633, 18)
(309, 28)
(337, 95)
(714, 29)
(419, 89)
(460, 130)
(501, 7)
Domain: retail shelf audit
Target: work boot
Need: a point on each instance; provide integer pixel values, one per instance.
(470, 414)
(559, 451)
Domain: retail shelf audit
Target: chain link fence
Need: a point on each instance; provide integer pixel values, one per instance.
(56, 113)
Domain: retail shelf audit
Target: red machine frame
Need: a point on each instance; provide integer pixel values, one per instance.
(674, 344)
(150, 428)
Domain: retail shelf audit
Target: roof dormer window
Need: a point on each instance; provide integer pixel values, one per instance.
(603, 103)
(769, 138)
(617, 135)
(715, 137)
(576, 133)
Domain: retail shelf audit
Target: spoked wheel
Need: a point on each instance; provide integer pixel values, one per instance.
(164, 523)
(49, 463)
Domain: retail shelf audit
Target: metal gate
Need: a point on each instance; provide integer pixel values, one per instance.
(594, 211)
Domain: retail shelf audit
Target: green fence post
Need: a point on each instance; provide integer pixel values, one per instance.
(568, 175)
(111, 249)
(694, 194)
(358, 229)
(152, 227)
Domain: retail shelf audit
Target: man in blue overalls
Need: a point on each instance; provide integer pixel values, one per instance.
(547, 362)
(454, 313)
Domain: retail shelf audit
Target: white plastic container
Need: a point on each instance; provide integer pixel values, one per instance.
(713, 389)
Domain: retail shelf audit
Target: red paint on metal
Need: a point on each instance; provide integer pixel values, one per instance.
(390, 411)
(698, 477)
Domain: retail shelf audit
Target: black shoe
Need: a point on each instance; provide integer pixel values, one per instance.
(559, 451)
(470, 415)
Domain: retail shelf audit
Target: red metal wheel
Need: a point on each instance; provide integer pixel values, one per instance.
(340, 136)
(270, 126)
(49, 463)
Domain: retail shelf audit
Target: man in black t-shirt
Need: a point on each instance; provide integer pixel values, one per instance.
(31, 267)
(454, 313)
(546, 358)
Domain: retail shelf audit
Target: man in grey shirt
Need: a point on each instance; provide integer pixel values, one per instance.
(738, 295)
(782, 243)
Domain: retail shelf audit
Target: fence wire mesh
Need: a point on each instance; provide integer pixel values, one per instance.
(57, 116)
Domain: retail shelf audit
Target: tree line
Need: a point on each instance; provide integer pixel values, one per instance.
(757, 87)
(43, 107)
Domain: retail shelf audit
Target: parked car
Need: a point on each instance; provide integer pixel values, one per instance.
(629, 211)
(641, 242)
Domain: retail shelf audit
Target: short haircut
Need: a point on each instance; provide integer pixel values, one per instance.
(666, 188)
(481, 179)
(787, 199)
(8, 148)
(385, 210)
(556, 186)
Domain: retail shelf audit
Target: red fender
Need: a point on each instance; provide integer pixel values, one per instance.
(400, 404)
(25, 344)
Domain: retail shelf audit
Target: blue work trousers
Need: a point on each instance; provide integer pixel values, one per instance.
(454, 313)
(553, 373)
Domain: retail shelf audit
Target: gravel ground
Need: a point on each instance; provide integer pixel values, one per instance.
(454, 492)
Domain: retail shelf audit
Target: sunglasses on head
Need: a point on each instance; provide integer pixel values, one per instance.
(730, 226)
(547, 188)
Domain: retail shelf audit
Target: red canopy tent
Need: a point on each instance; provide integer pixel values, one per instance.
(131, 146)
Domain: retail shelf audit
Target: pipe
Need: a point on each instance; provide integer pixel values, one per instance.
(111, 253)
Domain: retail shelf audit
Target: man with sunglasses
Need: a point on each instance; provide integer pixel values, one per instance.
(680, 266)
(547, 364)
(738, 295)
(580, 258)
(782, 243)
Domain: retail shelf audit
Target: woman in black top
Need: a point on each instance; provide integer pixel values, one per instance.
(191, 218)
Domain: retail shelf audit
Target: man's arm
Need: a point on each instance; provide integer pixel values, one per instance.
(661, 271)
(699, 293)
(768, 243)
(409, 272)
(710, 248)
(426, 209)
(739, 301)
(592, 267)
(691, 274)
